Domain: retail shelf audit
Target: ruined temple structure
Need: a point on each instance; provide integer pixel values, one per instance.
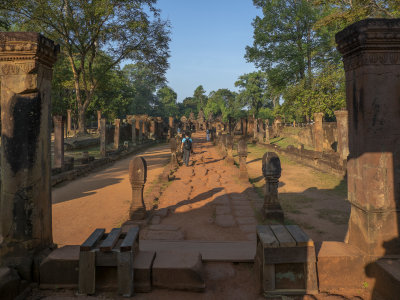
(200, 122)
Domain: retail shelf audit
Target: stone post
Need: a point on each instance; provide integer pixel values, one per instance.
(229, 149)
(98, 119)
(26, 61)
(173, 145)
(343, 133)
(152, 129)
(145, 129)
(58, 123)
(371, 56)
(223, 144)
(271, 168)
(140, 131)
(137, 177)
(103, 137)
(267, 131)
(69, 122)
(318, 132)
(242, 152)
(117, 123)
(133, 131)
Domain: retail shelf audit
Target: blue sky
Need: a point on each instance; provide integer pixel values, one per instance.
(208, 43)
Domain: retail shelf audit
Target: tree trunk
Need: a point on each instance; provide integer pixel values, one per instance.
(81, 120)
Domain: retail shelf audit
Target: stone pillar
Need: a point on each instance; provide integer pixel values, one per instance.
(117, 123)
(173, 145)
(140, 131)
(318, 132)
(137, 177)
(343, 133)
(103, 137)
(133, 131)
(98, 119)
(242, 152)
(267, 131)
(26, 61)
(229, 149)
(153, 129)
(271, 168)
(146, 129)
(371, 56)
(58, 123)
(69, 122)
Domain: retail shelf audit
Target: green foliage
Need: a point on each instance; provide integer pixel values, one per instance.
(167, 102)
(223, 103)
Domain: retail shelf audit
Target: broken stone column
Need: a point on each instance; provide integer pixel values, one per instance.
(69, 122)
(318, 132)
(117, 123)
(133, 123)
(371, 56)
(103, 137)
(58, 122)
(267, 131)
(229, 149)
(152, 129)
(343, 133)
(173, 145)
(271, 168)
(242, 152)
(98, 119)
(137, 177)
(26, 61)
(140, 131)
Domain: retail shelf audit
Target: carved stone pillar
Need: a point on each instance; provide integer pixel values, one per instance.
(271, 168)
(343, 133)
(117, 123)
(26, 61)
(318, 132)
(229, 149)
(69, 122)
(242, 152)
(133, 123)
(140, 131)
(152, 129)
(267, 131)
(98, 119)
(103, 137)
(371, 56)
(137, 177)
(58, 123)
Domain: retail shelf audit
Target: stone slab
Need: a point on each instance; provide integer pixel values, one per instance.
(178, 270)
(227, 251)
(222, 209)
(225, 220)
(155, 220)
(142, 265)
(246, 221)
(146, 234)
(386, 273)
(61, 268)
(10, 284)
(243, 212)
(162, 212)
(339, 265)
(164, 227)
(248, 228)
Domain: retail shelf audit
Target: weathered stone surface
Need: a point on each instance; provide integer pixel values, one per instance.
(225, 220)
(147, 234)
(178, 271)
(386, 272)
(318, 132)
(164, 227)
(142, 267)
(372, 95)
(60, 268)
(243, 212)
(246, 221)
(10, 284)
(339, 266)
(223, 209)
(343, 133)
(103, 137)
(58, 123)
(26, 60)
(155, 220)
(137, 177)
(117, 123)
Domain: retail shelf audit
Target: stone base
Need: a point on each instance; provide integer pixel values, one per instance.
(274, 214)
(142, 264)
(11, 285)
(178, 271)
(340, 266)
(387, 277)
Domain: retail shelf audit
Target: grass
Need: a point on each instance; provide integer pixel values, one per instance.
(335, 216)
(335, 184)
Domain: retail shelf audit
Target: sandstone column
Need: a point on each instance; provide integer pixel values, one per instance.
(140, 131)
(58, 123)
(153, 129)
(137, 177)
(371, 56)
(117, 123)
(98, 119)
(69, 122)
(318, 132)
(242, 152)
(103, 137)
(26, 61)
(133, 131)
(229, 149)
(267, 131)
(343, 133)
(271, 168)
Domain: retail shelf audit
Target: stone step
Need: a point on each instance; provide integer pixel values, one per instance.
(387, 275)
(226, 251)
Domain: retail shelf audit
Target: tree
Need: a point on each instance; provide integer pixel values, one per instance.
(123, 29)
(167, 98)
(200, 98)
(253, 91)
(223, 103)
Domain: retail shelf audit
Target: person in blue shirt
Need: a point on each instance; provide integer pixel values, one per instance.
(208, 135)
(186, 148)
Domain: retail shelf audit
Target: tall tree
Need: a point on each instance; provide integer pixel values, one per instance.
(124, 29)
(167, 102)
(199, 96)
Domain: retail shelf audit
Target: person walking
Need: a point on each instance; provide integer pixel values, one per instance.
(208, 135)
(186, 147)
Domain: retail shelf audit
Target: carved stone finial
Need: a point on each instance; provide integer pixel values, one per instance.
(137, 177)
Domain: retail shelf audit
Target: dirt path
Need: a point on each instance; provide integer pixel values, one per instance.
(314, 200)
(101, 199)
(207, 201)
